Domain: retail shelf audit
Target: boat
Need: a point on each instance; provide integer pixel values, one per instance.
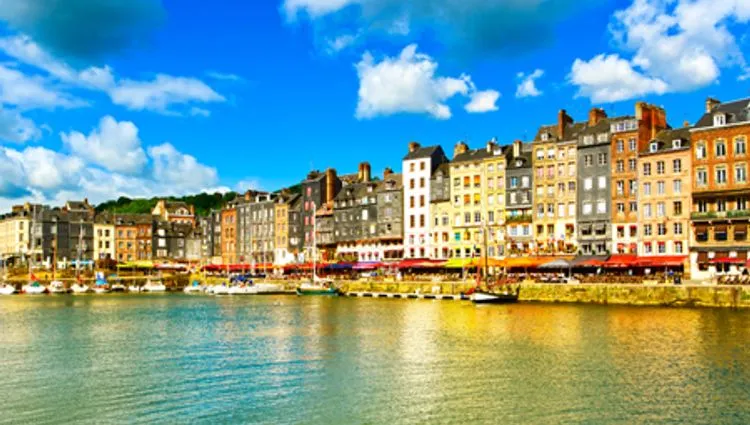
(7, 289)
(220, 289)
(118, 287)
(80, 288)
(154, 286)
(487, 297)
(194, 288)
(134, 288)
(265, 289)
(102, 289)
(318, 287)
(34, 288)
(57, 287)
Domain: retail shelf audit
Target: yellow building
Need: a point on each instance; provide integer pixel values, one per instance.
(441, 228)
(494, 198)
(14, 236)
(554, 163)
(104, 237)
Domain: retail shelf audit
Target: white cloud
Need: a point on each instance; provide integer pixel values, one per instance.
(224, 76)
(340, 43)
(16, 128)
(483, 101)
(158, 95)
(314, 8)
(47, 170)
(527, 85)
(406, 84)
(12, 176)
(112, 145)
(676, 46)
(606, 79)
(199, 112)
(179, 170)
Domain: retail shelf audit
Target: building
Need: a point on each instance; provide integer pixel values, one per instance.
(210, 229)
(494, 198)
(325, 237)
(555, 195)
(720, 188)
(390, 217)
(229, 252)
(664, 195)
(171, 239)
(256, 227)
(174, 211)
(593, 215)
(133, 237)
(441, 210)
(317, 188)
(296, 232)
(355, 217)
(104, 237)
(282, 254)
(630, 135)
(518, 200)
(15, 235)
(418, 166)
(468, 191)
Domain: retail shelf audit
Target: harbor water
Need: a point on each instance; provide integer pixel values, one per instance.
(172, 358)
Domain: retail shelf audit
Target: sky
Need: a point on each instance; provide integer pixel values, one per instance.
(146, 98)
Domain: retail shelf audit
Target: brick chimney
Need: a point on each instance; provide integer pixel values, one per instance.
(460, 148)
(563, 119)
(711, 103)
(596, 115)
(387, 172)
(517, 148)
(363, 172)
(413, 146)
(492, 144)
(330, 184)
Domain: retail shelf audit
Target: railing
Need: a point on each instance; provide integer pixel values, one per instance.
(740, 213)
(707, 214)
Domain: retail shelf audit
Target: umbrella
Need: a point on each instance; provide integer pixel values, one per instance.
(556, 264)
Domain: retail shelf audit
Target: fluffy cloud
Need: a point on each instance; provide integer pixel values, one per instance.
(179, 170)
(66, 27)
(468, 26)
(674, 46)
(15, 128)
(483, 101)
(12, 177)
(160, 94)
(527, 85)
(112, 145)
(406, 84)
(45, 169)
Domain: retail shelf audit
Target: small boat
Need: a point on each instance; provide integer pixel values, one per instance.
(487, 297)
(57, 287)
(118, 287)
(194, 288)
(154, 286)
(80, 288)
(102, 289)
(237, 290)
(134, 288)
(7, 289)
(318, 287)
(34, 288)
(265, 289)
(221, 289)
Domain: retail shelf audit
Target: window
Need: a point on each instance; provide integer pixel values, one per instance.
(620, 145)
(631, 144)
(421, 182)
(700, 150)
(661, 247)
(721, 205)
(588, 160)
(721, 175)
(740, 147)
(601, 206)
(513, 198)
(551, 153)
(740, 173)
(741, 204)
(602, 182)
(647, 189)
(677, 207)
(647, 230)
(653, 147)
(678, 247)
(701, 177)
(633, 187)
(647, 169)
(647, 210)
(660, 209)
(477, 217)
(633, 206)
(588, 183)
(513, 182)
(540, 152)
(620, 165)
(525, 181)
(561, 210)
(621, 208)
(702, 206)
(621, 188)
(631, 164)
(586, 208)
(677, 166)
(720, 119)
(660, 187)
(721, 148)
(421, 220)
(571, 209)
(602, 158)
(661, 229)
(660, 167)
(677, 228)
(456, 182)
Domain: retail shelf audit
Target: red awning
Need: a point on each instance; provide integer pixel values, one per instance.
(621, 260)
(367, 265)
(727, 260)
(662, 261)
(415, 263)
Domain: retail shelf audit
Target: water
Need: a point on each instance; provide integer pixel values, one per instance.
(288, 360)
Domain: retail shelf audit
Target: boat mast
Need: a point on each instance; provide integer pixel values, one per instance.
(314, 244)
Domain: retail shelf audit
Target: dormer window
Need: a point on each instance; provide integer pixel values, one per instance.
(653, 147)
(720, 119)
(676, 144)
(602, 137)
(519, 163)
(545, 137)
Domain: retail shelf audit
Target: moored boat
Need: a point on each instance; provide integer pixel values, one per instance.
(194, 288)
(34, 288)
(487, 297)
(7, 289)
(265, 289)
(57, 287)
(320, 287)
(154, 286)
(220, 289)
(118, 287)
(134, 288)
(102, 289)
(80, 288)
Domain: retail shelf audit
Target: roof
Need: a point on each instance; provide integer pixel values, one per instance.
(570, 131)
(314, 176)
(665, 138)
(737, 111)
(422, 152)
(133, 219)
(472, 155)
(445, 167)
(395, 178)
(525, 156)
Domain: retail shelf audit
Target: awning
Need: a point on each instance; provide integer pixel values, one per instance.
(526, 262)
(556, 264)
(415, 263)
(367, 265)
(701, 229)
(490, 262)
(662, 261)
(727, 260)
(740, 228)
(458, 263)
(589, 261)
(339, 266)
(621, 260)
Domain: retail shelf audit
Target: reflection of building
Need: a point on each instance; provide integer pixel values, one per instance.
(664, 196)
(720, 187)
(419, 164)
(518, 202)
(593, 180)
(554, 161)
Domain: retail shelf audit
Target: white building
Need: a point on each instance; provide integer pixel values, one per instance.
(418, 166)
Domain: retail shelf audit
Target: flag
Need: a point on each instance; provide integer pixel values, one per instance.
(33, 277)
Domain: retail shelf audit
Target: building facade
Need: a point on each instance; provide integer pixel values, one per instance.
(593, 194)
(518, 201)
(104, 237)
(390, 205)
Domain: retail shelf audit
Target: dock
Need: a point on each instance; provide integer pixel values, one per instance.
(415, 296)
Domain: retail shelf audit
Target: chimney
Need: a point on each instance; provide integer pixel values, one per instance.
(517, 148)
(248, 195)
(491, 144)
(365, 171)
(596, 115)
(562, 121)
(686, 124)
(387, 172)
(330, 185)
(413, 146)
(711, 103)
(192, 209)
(460, 148)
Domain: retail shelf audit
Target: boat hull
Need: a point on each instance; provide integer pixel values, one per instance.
(7, 290)
(482, 297)
(321, 291)
(80, 289)
(34, 290)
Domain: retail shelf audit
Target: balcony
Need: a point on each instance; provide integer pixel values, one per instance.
(523, 218)
(703, 215)
(738, 214)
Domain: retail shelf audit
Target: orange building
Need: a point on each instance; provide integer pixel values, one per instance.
(229, 235)
(133, 233)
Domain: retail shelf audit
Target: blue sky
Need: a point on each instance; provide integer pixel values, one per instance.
(148, 97)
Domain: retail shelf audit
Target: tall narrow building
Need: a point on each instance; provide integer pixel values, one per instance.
(518, 201)
(593, 214)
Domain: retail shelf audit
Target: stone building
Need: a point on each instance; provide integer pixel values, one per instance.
(355, 216)
(133, 237)
(390, 217)
(440, 208)
(174, 211)
(593, 195)
(518, 200)
(104, 236)
(318, 188)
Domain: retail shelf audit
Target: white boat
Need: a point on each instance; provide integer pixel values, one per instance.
(134, 288)
(7, 289)
(265, 288)
(102, 289)
(154, 286)
(221, 289)
(57, 287)
(80, 288)
(118, 287)
(194, 288)
(34, 288)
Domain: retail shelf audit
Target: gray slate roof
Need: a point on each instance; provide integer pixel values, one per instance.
(422, 152)
(737, 111)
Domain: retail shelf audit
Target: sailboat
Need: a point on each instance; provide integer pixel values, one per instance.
(480, 295)
(33, 287)
(6, 288)
(57, 287)
(317, 285)
(79, 287)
